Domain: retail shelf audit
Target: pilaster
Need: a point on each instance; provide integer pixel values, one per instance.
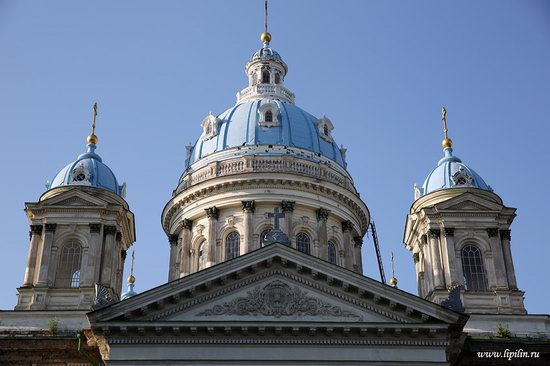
(213, 215)
(347, 227)
(107, 269)
(287, 207)
(322, 217)
(439, 279)
(506, 248)
(172, 269)
(185, 260)
(36, 235)
(45, 256)
(248, 212)
(449, 257)
(498, 258)
(358, 244)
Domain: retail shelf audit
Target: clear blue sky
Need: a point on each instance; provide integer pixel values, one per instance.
(380, 70)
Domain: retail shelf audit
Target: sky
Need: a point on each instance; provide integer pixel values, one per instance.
(380, 70)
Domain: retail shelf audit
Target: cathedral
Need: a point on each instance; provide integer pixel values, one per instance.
(265, 228)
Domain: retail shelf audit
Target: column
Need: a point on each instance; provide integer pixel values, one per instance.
(498, 258)
(186, 236)
(439, 280)
(92, 273)
(347, 227)
(123, 254)
(213, 215)
(173, 240)
(116, 273)
(322, 217)
(107, 255)
(449, 256)
(427, 266)
(506, 248)
(358, 244)
(287, 207)
(248, 212)
(45, 256)
(36, 234)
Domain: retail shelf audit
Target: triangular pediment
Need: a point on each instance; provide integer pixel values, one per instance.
(469, 201)
(274, 284)
(74, 198)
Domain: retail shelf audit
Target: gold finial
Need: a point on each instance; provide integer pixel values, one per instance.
(266, 36)
(132, 279)
(92, 138)
(447, 142)
(393, 280)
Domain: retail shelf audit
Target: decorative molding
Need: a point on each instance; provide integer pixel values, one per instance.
(248, 206)
(109, 230)
(347, 225)
(449, 231)
(173, 239)
(322, 214)
(95, 228)
(212, 212)
(50, 228)
(186, 224)
(36, 229)
(287, 206)
(505, 234)
(279, 299)
(434, 233)
(492, 232)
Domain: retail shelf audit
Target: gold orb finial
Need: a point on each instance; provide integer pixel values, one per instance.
(393, 281)
(447, 142)
(131, 279)
(92, 139)
(265, 37)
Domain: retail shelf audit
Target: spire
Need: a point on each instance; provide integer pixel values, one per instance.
(266, 36)
(92, 138)
(447, 142)
(131, 281)
(393, 280)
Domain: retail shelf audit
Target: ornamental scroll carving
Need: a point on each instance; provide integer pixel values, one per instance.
(279, 299)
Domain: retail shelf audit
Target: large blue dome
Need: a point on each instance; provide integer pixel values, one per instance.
(242, 125)
(88, 170)
(452, 173)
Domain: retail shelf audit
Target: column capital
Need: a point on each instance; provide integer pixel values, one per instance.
(50, 228)
(492, 232)
(36, 229)
(505, 234)
(212, 212)
(416, 257)
(434, 233)
(248, 206)
(173, 239)
(287, 206)
(347, 225)
(322, 214)
(118, 236)
(358, 240)
(95, 228)
(187, 224)
(109, 230)
(449, 231)
(123, 255)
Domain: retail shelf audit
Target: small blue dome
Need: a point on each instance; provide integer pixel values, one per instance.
(88, 170)
(452, 173)
(265, 53)
(292, 127)
(129, 293)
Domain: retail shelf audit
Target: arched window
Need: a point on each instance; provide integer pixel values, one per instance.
(265, 76)
(68, 266)
(331, 252)
(232, 245)
(472, 267)
(202, 255)
(268, 116)
(325, 130)
(262, 236)
(208, 129)
(302, 243)
(277, 78)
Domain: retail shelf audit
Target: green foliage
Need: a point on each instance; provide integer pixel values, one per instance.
(53, 326)
(503, 332)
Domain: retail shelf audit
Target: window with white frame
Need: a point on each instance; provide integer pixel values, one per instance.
(210, 125)
(325, 127)
(68, 265)
(473, 269)
(268, 114)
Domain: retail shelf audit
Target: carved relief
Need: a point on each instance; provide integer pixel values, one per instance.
(287, 206)
(278, 299)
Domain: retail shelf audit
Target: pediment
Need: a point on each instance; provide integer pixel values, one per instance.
(74, 197)
(468, 201)
(274, 284)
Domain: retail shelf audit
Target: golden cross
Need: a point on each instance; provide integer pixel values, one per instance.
(265, 17)
(95, 115)
(444, 119)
